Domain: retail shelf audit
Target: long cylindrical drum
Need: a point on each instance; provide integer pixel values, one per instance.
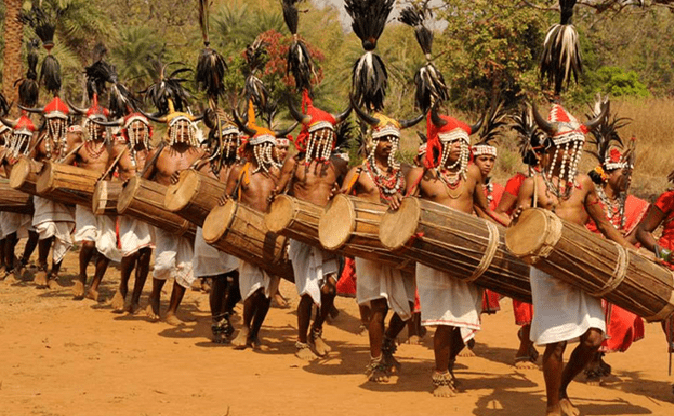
(67, 184)
(105, 198)
(194, 196)
(600, 267)
(351, 225)
(12, 200)
(464, 246)
(144, 200)
(240, 231)
(24, 175)
(294, 218)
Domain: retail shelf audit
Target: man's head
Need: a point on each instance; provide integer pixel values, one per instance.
(282, 149)
(181, 130)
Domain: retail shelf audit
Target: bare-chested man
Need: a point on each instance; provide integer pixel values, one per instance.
(253, 184)
(562, 312)
(209, 262)
(96, 233)
(15, 225)
(379, 286)
(453, 306)
(135, 238)
(173, 254)
(312, 176)
(5, 142)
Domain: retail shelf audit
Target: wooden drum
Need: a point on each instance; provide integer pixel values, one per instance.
(24, 175)
(144, 200)
(67, 184)
(351, 225)
(12, 200)
(240, 231)
(600, 267)
(467, 247)
(194, 196)
(294, 218)
(105, 198)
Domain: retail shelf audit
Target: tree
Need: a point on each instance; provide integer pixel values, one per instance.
(13, 40)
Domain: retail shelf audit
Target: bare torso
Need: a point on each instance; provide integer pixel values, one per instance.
(172, 160)
(313, 183)
(94, 156)
(433, 188)
(125, 167)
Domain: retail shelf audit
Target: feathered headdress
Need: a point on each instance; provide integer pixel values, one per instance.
(610, 150)
(29, 90)
(369, 73)
(211, 66)
(441, 129)
(44, 25)
(300, 64)
(531, 139)
(492, 131)
(430, 84)
(167, 93)
(256, 56)
(561, 58)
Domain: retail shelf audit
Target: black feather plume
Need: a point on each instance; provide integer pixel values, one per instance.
(290, 14)
(299, 60)
(211, 66)
(42, 22)
(561, 58)
(168, 87)
(256, 56)
(348, 133)
(369, 77)
(122, 101)
(29, 90)
(50, 74)
(498, 119)
(530, 138)
(606, 133)
(415, 17)
(98, 75)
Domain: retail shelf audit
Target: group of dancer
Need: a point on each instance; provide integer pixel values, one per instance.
(254, 164)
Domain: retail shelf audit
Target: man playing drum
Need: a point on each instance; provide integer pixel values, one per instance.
(451, 305)
(135, 239)
(382, 179)
(564, 313)
(208, 261)
(312, 175)
(253, 184)
(173, 254)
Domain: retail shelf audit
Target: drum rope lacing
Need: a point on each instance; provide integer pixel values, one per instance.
(618, 274)
(492, 246)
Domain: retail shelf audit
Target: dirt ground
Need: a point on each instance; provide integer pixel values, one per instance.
(64, 357)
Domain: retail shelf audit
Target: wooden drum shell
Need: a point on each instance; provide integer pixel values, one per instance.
(106, 196)
(351, 225)
(294, 218)
(596, 265)
(240, 231)
(24, 175)
(67, 184)
(194, 196)
(12, 200)
(144, 200)
(467, 247)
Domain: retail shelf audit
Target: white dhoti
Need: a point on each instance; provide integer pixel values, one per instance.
(56, 220)
(311, 266)
(173, 258)
(13, 222)
(133, 235)
(209, 261)
(561, 311)
(101, 229)
(252, 278)
(448, 301)
(379, 281)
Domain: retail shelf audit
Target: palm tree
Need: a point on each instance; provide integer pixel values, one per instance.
(11, 56)
(136, 55)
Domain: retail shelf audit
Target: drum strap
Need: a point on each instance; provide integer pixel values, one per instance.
(112, 166)
(618, 273)
(75, 150)
(153, 161)
(492, 246)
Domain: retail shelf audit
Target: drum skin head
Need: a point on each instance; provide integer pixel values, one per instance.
(180, 194)
(281, 214)
(20, 172)
(45, 181)
(127, 194)
(398, 227)
(218, 221)
(527, 236)
(337, 223)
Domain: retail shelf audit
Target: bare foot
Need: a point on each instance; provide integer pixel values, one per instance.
(256, 343)
(152, 309)
(320, 347)
(444, 391)
(41, 279)
(241, 340)
(280, 301)
(117, 302)
(78, 290)
(172, 319)
(134, 308)
(414, 340)
(93, 295)
(10, 278)
(377, 371)
(54, 284)
(303, 352)
(525, 363)
(466, 352)
(553, 411)
(567, 408)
